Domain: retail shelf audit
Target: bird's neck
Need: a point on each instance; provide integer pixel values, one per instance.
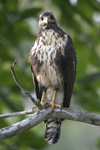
(56, 28)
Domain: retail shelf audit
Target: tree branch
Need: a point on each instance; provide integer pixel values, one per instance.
(41, 115)
(16, 114)
(38, 117)
(22, 89)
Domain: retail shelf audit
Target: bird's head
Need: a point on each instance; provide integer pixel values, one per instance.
(47, 19)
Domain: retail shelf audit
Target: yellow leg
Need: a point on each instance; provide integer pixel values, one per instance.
(42, 100)
(53, 101)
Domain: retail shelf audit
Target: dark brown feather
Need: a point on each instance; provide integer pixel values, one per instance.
(70, 71)
(38, 90)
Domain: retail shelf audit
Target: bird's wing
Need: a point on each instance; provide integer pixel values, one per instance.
(70, 71)
(36, 85)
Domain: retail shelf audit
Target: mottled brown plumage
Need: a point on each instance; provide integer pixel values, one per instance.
(53, 64)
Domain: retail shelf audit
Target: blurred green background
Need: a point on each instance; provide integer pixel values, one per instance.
(18, 31)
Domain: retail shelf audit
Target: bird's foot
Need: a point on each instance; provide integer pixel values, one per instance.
(40, 102)
(36, 106)
(52, 104)
(45, 105)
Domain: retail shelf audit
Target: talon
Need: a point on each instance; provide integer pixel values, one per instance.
(54, 105)
(45, 105)
(34, 107)
(59, 106)
(53, 102)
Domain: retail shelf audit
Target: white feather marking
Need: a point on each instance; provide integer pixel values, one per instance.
(48, 75)
(59, 96)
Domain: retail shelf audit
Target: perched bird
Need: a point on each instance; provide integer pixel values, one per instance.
(53, 65)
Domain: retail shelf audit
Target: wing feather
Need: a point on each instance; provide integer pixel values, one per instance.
(36, 85)
(70, 71)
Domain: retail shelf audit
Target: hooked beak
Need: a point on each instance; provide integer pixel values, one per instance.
(46, 20)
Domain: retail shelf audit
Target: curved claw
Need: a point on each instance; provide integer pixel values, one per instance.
(54, 105)
(45, 105)
(53, 101)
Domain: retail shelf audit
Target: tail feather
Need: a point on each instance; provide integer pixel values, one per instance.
(52, 130)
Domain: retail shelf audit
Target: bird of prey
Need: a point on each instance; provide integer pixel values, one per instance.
(53, 65)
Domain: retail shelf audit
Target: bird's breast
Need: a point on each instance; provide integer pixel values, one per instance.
(49, 52)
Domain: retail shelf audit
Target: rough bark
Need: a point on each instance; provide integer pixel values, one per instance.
(41, 115)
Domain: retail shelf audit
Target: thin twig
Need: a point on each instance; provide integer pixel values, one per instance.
(16, 114)
(23, 90)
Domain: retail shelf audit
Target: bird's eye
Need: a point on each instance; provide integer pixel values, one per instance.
(42, 18)
(52, 17)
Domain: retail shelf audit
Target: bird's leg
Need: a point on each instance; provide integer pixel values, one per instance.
(53, 101)
(42, 100)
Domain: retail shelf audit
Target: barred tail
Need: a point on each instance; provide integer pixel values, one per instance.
(52, 130)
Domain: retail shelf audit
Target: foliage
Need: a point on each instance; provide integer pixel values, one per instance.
(16, 40)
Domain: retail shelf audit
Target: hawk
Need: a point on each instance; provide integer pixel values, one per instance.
(53, 65)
